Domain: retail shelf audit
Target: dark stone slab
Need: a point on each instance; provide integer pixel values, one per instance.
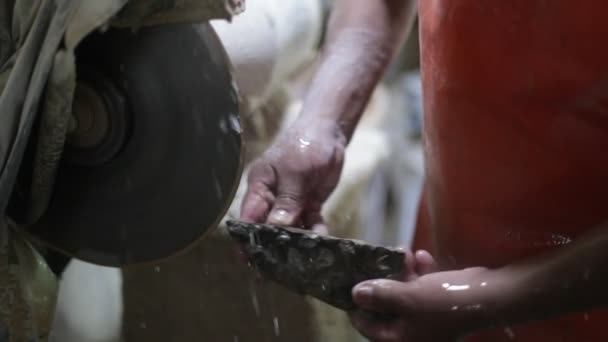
(323, 267)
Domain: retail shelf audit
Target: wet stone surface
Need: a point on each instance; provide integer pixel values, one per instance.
(323, 267)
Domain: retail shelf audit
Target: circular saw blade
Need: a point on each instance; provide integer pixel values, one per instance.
(178, 170)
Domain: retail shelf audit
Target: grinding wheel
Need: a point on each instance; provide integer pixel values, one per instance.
(153, 157)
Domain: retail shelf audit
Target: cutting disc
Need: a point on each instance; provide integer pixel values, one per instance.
(154, 152)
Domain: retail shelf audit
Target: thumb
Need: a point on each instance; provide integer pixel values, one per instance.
(383, 296)
(425, 263)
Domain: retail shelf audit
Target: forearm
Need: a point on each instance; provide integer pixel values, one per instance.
(571, 279)
(362, 38)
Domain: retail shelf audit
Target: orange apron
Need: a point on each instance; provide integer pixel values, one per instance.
(516, 134)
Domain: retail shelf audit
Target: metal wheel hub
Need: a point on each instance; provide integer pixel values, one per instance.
(99, 126)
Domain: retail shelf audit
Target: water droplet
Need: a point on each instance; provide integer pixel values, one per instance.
(277, 330)
(451, 287)
(587, 274)
(104, 27)
(284, 238)
(455, 307)
(223, 126)
(473, 307)
(304, 143)
(252, 239)
(510, 333)
(218, 189)
(254, 299)
(143, 325)
(235, 124)
(157, 269)
(484, 284)
(382, 263)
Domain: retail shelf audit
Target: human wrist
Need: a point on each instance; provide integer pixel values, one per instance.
(321, 128)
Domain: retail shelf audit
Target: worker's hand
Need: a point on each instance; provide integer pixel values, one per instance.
(435, 307)
(290, 182)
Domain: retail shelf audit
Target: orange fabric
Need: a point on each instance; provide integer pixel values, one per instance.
(516, 134)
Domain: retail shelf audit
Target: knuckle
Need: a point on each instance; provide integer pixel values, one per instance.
(258, 191)
(290, 198)
(261, 172)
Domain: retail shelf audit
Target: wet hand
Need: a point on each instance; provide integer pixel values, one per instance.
(290, 182)
(429, 307)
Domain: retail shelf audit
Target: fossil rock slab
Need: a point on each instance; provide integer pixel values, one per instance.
(323, 267)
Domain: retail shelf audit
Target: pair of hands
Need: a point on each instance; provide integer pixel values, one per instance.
(288, 186)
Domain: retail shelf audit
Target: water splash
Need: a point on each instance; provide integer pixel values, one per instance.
(539, 239)
(254, 299)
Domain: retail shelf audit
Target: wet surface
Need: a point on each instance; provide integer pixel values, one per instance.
(324, 267)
